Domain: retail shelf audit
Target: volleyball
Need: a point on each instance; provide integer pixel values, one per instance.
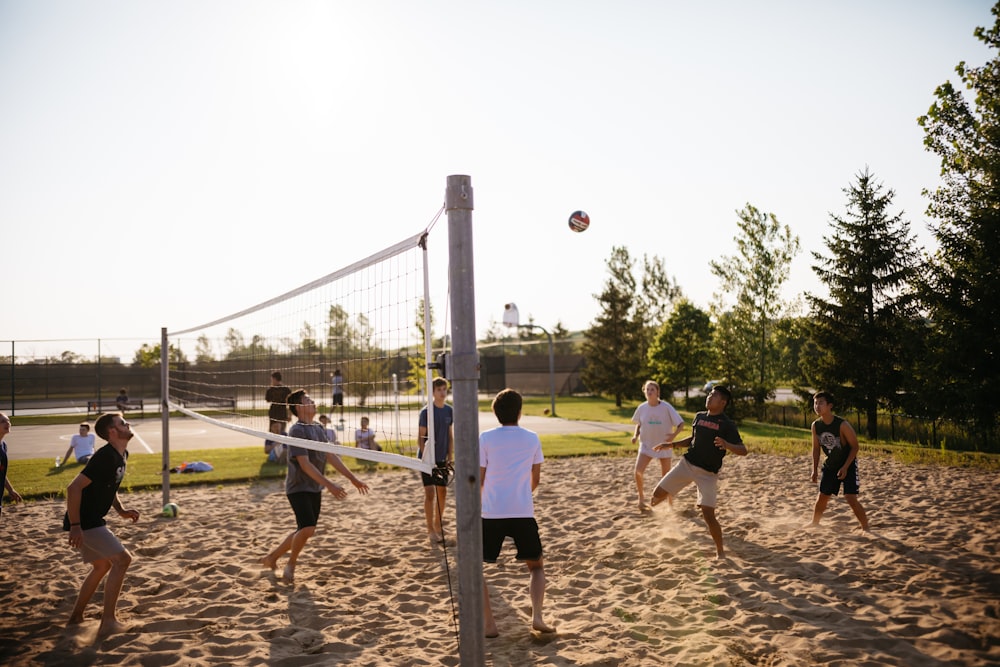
(171, 510)
(579, 221)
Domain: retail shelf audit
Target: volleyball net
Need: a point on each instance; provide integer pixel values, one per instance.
(353, 339)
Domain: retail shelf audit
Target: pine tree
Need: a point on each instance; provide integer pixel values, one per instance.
(862, 326)
(614, 362)
(961, 286)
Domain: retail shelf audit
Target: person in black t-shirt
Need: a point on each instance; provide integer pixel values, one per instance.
(89, 497)
(835, 436)
(713, 435)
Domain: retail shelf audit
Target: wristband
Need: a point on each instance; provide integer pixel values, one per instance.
(74, 524)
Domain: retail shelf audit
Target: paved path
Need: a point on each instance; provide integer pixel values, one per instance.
(48, 442)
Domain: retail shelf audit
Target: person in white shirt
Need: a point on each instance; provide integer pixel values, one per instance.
(510, 464)
(655, 422)
(81, 445)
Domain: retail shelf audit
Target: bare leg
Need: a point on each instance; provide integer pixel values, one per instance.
(821, 502)
(299, 539)
(271, 560)
(87, 590)
(659, 495)
(112, 590)
(432, 533)
(859, 511)
(715, 529)
(537, 591)
(489, 624)
(640, 468)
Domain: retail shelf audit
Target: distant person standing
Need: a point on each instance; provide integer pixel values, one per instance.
(121, 401)
(89, 498)
(436, 485)
(338, 390)
(81, 445)
(836, 438)
(15, 497)
(277, 395)
(655, 422)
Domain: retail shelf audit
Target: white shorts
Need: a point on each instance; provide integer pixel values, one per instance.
(683, 474)
(647, 450)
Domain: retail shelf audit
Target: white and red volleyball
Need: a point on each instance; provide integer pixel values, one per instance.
(579, 221)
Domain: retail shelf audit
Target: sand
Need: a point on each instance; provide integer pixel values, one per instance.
(923, 588)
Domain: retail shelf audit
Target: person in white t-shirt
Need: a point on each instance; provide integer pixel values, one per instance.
(655, 422)
(81, 445)
(510, 463)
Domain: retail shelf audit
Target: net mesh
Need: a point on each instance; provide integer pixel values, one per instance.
(363, 323)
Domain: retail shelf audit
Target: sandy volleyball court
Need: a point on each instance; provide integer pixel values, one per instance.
(623, 589)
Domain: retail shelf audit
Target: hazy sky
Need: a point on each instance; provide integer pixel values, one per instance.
(196, 158)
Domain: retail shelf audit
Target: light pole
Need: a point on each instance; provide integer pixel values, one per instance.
(511, 318)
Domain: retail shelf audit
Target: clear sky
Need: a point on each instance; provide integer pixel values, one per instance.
(199, 157)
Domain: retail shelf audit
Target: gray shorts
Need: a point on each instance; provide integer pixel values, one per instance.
(99, 544)
(683, 474)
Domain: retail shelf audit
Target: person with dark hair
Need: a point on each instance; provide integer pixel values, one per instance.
(338, 390)
(436, 485)
(121, 401)
(81, 445)
(15, 497)
(510, 463)
(713, 435)
(277, 413)
(89, 498)
(836, 437)
(304, 482)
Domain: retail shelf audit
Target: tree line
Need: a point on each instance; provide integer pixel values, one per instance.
(896, 327)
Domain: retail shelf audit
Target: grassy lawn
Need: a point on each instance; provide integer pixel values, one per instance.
(36, 478)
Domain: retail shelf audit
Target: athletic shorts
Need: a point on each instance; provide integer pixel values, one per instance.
(829, 485)
(306, 504)
(99, 544)
(685, 473)
(439, 477)
(338, 399)
(647, 450)
(523, 530)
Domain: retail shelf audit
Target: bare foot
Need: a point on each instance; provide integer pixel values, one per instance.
(435, 538)
(111, 628)
(645, 507)
(268, 562)
(657, 500)
(492, 632)
(74, 620)
(539, 626)
(288, 574)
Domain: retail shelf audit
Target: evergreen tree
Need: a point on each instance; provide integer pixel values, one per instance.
(681, 350)
(961, 283)
(861, 327)
(754, 276)
(614, 362)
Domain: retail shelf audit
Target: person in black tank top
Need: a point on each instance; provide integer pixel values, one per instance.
(835, 437)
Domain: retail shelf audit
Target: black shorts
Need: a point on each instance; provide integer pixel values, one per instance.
(829, 484)
(525, 534)
(439, 477)
(338, 399)
(306, 505)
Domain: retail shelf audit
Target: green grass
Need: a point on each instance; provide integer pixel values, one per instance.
(36, 478)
